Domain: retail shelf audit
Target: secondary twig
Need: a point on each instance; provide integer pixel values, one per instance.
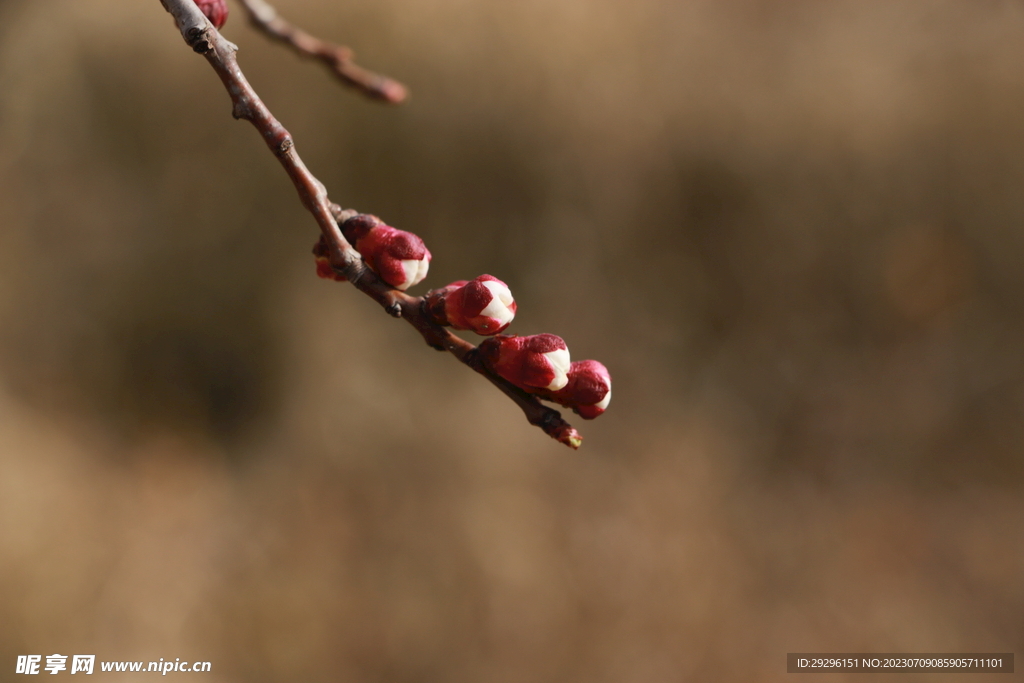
(202, 37)
(338, 58)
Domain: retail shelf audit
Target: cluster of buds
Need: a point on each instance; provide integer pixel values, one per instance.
(215, 10)
(538, 364)
(400, 258)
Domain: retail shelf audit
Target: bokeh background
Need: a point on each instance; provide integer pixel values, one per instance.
(794, 231)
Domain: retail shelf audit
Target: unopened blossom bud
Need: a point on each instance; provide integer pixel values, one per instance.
(484, 305)
(588, 391)
(537, 362)
(323, 264)
(215, 10)
(399, 257)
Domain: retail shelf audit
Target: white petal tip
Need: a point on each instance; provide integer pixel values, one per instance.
(500, 291)
(501, 299)
(559, 360)
(415, 272)
(499, 311)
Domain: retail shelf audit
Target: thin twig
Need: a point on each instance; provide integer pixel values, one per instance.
(202, 37)
(338, 58)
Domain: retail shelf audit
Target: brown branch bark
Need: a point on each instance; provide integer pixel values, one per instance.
(338, 58)
(202, 37)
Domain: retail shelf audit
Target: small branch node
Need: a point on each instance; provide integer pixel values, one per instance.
(199, 40)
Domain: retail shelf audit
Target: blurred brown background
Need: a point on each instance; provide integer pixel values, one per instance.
(792, 230)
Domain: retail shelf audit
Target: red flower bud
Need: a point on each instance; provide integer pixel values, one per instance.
(588, 391)
(484, 305)
(323, 264)
(215, 10)
(399, 257)
(537, 362)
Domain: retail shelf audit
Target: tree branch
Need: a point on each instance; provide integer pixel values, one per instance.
(338, 58)
(202, 37)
